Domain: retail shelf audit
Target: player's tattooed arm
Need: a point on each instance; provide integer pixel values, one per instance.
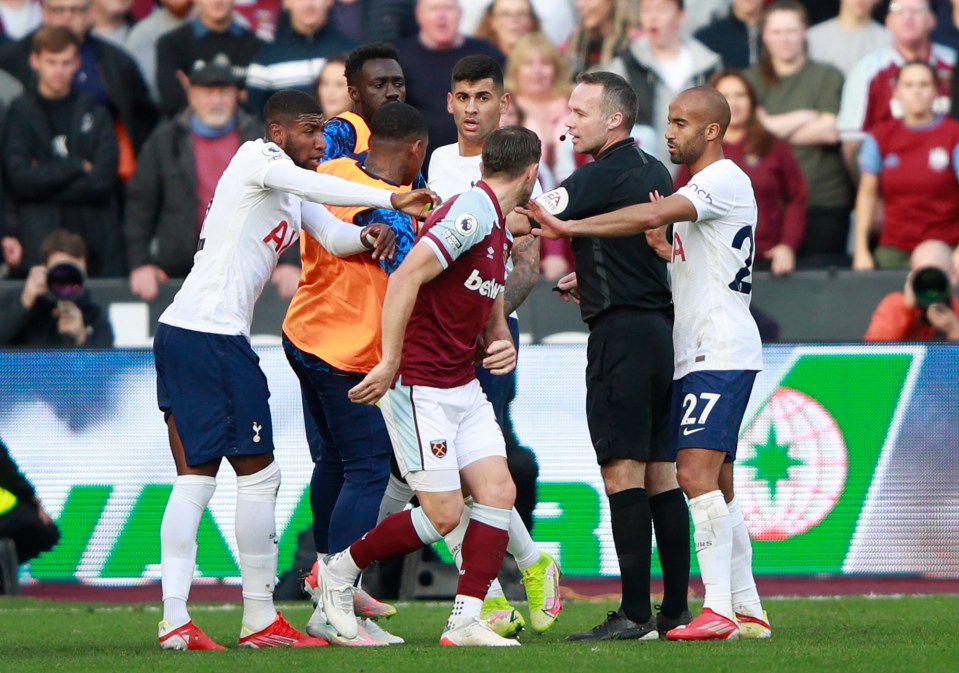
(525, 273)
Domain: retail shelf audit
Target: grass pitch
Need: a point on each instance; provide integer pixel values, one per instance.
(878, 635)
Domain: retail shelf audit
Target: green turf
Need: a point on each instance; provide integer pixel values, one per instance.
(878, 635)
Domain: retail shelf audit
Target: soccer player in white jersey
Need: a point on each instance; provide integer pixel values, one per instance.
(476, 101)
(443, 306)
(717, 348)
(209, 384)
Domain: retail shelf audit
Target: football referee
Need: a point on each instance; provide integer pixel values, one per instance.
(624, 297)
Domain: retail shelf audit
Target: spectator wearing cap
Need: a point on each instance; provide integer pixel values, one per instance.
(60, 162)
(211, 32)
(177, 174)
(296, 57)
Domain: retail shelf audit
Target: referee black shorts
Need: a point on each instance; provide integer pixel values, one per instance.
(629, 374)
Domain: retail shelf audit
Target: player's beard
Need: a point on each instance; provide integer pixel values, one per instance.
(692, 150)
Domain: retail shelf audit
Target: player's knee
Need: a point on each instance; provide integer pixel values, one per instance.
(693, 481)
(262, 485)
(445, 516)
(501, 494)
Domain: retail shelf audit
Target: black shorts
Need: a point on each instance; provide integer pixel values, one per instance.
(629, 375)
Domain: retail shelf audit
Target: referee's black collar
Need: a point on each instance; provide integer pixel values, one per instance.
(626, 142)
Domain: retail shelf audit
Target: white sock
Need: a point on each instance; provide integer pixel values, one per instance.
(181, 519)
(343, 566)
(454, 542)
(744, 595)
(521, 545)
(714, 548)
(465, 610)
(257, 543)
(395, 499)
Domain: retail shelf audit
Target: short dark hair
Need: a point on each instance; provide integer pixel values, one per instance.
(925, 64)
(618, 95)
(510, 150)
(476, 67)
(398, 121)
(368, 52)
(61, 240)
(55, 39)
(287, 105)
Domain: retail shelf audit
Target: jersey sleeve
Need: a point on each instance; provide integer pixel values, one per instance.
(340, 137)
(710, 194)
(870, 159)
(464, 224)
(340, 238)
(402, 227)
(321, 188)
(573, 197)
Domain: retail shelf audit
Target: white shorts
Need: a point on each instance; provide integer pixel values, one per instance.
(436, 432)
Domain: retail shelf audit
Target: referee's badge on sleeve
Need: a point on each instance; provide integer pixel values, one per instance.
(554, 201)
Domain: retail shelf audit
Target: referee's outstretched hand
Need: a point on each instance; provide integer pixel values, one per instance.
(417, 203)
(548, 226)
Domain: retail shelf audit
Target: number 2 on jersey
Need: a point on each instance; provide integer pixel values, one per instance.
(739, 283)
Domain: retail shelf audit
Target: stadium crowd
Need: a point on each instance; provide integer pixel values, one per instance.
(153, 100)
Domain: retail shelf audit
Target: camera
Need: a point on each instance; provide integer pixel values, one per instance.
(931, 286)
(65, 281)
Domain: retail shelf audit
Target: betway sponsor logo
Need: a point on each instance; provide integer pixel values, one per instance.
(486, 288)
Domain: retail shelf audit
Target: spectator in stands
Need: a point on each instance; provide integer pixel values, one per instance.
(263, 17)
(111, 20)
(60, 159)
(867, 97)
(294, 59)
(946, 31)
(177, 174)
(19, 17)
(798, 100)
(505, 22)
(777, 179)
(58, 313)
(538, 81)
(603, 32)
(736, 38)
(428, 60)
(22, 517)
(331, 87)
(913, 163)
(211, 32)
(106, 72)
(701, 13)
(901, 316)
(660, 64)
(390, 20)
(555, 19)
(142, 38)
(844, 40)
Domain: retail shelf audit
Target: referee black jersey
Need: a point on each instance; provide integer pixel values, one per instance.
(614, 272)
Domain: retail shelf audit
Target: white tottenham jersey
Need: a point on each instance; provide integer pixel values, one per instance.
(712, 274)
(255, 215)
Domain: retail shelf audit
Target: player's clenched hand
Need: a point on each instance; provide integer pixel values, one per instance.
(381, 238)
(417, 203)
(501, 357)
(374, 385)
(549, 227)
(569, 288)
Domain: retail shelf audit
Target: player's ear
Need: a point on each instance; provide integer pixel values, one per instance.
(449, 103)
(276, 133)
(353, 93)
(504, 102)
(712, 131)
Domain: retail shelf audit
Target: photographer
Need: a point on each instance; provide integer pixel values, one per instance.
(54, 310)
(926, 309)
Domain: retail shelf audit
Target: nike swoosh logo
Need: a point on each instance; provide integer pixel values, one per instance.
(690, 431)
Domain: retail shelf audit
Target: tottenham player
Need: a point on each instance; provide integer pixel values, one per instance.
(442, 305)
(209, 385)
(476, 100)
(717, 348)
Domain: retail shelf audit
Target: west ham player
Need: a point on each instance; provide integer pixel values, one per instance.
(209, 385)
(476, 100)
(442, 305)
(331, 336)
(716, 343)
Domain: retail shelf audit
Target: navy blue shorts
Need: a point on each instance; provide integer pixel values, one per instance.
(216, 391)
(707, 410)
